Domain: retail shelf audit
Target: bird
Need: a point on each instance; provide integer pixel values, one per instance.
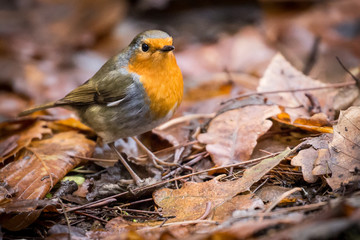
(133, 92)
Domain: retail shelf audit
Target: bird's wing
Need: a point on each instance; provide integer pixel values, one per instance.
(104, 88)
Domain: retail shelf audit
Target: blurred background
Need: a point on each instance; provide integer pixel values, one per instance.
(48, 47)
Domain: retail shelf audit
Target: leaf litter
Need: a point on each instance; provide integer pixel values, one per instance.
(230, 139)
(257, 198)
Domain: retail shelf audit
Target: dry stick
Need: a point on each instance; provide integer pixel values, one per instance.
(180, 224)
(66, 218)
(184, 119)
(206, 212)
(190, 163)
(262, 184)
(282, 196)
(296, 208)
(105, 202)
(135, 202)
(357, 80)
(141, 211)
(88, 205)
(334, 85)
(309, 207)
(91, 216)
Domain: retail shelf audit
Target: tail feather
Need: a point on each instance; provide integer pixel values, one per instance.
(38, 108)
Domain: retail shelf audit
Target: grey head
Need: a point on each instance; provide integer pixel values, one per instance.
(137, 43)
(149, 34)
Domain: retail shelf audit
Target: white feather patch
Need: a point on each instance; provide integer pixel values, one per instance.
(111, 104)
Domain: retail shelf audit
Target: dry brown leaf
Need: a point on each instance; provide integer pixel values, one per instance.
(338, 158)
(316, 123)
(23, 138)
(19, 214)
(344, 149)
(232, 136)
(306, 158)
(69, 124)
(177, 134)
(191, 201)
(43, 163)
(281, 75)
(249, 202)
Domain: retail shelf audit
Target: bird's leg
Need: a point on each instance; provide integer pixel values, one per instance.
(134, 176)
(157, 162)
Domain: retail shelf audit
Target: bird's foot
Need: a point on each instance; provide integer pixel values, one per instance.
(158, 163)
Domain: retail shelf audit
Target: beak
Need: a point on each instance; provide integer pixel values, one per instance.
(167, 48)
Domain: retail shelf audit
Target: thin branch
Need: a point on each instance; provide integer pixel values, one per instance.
(281, 197)
(184, 119)
(348, 71)
(334, 85)
(66, 218)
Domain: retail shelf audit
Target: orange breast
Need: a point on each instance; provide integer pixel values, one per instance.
(162, 81)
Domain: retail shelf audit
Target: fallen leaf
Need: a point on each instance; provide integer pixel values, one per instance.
(191, 201)
(246, 202)
(344, 149)
(306, 158)
(22, 138)
(177, 134)
(43, 163)
(338, 156)
(232, 136)
(280, 75)
(18, 214)
(316, 123)
(69, 124)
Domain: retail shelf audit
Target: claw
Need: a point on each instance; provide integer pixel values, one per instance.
(157, 161)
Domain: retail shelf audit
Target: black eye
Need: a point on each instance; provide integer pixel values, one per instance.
(144, 47)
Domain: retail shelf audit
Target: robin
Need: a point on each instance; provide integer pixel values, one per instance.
(132, 93)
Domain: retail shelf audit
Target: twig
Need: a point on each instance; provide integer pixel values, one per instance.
(348, 71)
(140, 211)
(184, 119)
(262, 184)
(281, 197)
(99, 204)
(334, 85)
(135, 202)
(91, 216)
(180, 224)
(206, 212)
(66, 218)
(309, 207)
(190, 163)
